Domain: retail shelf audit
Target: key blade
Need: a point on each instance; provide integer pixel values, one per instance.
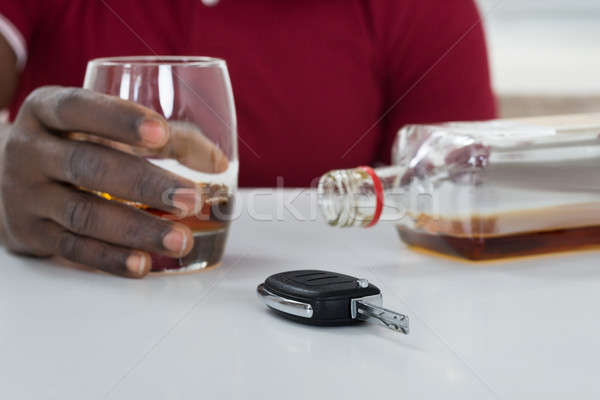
(393, 320)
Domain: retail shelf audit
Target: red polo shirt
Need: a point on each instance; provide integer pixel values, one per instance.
(318, 84)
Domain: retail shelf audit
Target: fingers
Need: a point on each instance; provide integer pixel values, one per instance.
(125, 176)
(80, 110)
(88, 215)
(188, 145)
(94, 253)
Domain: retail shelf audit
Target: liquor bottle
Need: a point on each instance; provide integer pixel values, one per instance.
(480, 190)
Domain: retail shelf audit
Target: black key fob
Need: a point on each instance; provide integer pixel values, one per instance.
(327, 298)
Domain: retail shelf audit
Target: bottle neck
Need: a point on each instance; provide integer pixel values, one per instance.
(360, 196)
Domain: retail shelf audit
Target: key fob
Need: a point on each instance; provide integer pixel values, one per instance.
(326, 298)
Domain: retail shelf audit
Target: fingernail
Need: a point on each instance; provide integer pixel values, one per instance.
(189, 201)
(176, 241)
(153, 132)
(137, 263)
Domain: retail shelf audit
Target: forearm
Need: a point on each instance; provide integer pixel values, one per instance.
(3, 136)
(9, 75)
(8, 83)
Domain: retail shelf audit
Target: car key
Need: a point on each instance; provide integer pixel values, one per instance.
(327, 298)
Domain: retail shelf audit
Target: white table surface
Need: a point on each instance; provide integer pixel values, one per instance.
(517, 330)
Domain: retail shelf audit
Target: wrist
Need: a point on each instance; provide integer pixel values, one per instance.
(4, 127)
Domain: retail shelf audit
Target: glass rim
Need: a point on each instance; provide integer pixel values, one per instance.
(156, 60)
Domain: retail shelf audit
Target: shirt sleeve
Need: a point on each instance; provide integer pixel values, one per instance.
(18, 20)
(435, 66)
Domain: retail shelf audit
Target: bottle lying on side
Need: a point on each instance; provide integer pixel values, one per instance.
(480, 190)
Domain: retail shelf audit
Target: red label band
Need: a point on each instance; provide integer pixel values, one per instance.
(378, 195)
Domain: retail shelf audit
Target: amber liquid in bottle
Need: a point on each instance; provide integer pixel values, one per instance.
(482, 238)
(501, 247)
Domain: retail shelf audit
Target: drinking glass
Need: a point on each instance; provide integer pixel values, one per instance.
(194, 95)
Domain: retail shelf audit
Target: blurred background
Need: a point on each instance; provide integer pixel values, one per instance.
(544, 54)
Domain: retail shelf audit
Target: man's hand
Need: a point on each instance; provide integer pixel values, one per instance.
(42, 210)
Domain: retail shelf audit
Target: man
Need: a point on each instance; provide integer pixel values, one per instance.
(319, 84)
